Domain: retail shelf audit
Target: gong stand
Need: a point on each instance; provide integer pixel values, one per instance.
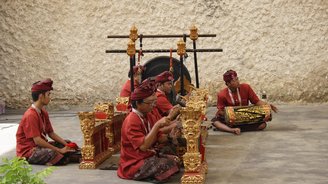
(181, 50)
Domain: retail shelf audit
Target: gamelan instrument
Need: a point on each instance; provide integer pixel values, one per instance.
(243, 115)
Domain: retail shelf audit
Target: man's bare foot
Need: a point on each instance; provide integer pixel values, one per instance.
(236, 131)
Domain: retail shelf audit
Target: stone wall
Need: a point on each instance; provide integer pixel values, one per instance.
(277, 46)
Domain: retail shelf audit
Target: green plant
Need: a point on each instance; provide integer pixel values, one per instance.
(18, 170)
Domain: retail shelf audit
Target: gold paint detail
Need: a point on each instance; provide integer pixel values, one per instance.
(133, 33)
(193, 33)
(239, 115)
(181, 48)
(131, 50)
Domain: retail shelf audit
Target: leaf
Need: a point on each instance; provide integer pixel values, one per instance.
(18, 170)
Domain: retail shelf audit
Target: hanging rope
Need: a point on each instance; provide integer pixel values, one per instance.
(171, 61)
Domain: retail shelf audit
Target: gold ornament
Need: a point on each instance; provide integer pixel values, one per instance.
(181, 48)
(193, 33)
(131, 50)
(133, 33)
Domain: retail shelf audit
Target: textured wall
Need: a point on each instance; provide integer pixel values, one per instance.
(277, 46)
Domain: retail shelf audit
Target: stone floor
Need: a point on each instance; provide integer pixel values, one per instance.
(293, 149)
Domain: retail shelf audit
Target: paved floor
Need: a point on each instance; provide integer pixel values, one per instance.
(293, 149)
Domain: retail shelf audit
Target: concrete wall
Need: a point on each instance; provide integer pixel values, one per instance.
(277, 46)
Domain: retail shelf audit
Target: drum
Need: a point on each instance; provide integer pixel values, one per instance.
(243, 115)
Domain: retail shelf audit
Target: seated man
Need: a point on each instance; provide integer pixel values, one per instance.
(164, 87)
(138, 160)
(236, 95)
(34, 127)
(165, 108)
(163, 105)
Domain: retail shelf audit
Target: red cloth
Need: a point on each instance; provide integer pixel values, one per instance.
(164, 77)
(246, 94)
(122, 107)
(229, 75)
(31, 126)
(163, 104)
(72, 145)
(44, 85)
(146, 89)
(126, 89)
(132, 158)
(126, 92)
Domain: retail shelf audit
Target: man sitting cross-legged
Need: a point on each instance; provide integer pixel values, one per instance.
(139, 134)
(31, 136)
(236, 94)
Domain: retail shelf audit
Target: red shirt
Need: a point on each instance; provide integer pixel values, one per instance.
(126, 89)
(133, 133)
(32, 125)
(163, 104)
(246, 95)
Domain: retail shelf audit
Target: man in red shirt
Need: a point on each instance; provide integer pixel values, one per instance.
(138, 160)
(31, 136)
(165, 108)
(174, 131)
(165, 83)
(236, 94)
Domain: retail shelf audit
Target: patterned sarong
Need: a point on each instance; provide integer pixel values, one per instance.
(158, 167)
(46, 156)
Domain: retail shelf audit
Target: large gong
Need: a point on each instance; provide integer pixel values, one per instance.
(160, 64)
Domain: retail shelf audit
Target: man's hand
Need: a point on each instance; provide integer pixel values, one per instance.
(151, 137)
(66, 150)
(174, 112)
(164, 121)
(274, 108)
(174, 134)
(267, 118)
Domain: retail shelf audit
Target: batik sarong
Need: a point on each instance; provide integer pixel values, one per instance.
(46, 156)
(159, 168)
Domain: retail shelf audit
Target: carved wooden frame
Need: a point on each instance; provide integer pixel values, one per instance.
(191, 116)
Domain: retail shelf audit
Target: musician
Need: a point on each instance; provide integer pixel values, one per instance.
(164, 87)
(173, 131)
(137, 72)
(31, 136)
(236, 94)
(138, 160)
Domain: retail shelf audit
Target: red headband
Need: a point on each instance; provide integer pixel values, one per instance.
(229, 75)
(44, 85)
(146, 89)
